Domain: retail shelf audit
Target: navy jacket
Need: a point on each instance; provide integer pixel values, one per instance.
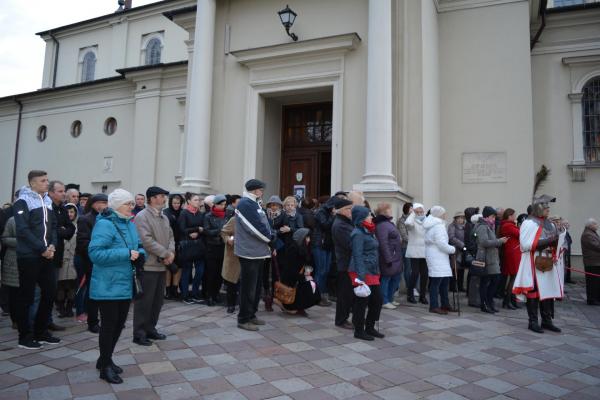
(35, 222)
(252, 230)
(341, 229)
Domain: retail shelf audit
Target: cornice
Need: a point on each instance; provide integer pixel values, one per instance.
(458, 5)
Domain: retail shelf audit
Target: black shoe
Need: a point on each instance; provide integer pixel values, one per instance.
(53, 327)
(363, 336)
(486, 309)
(95, 328)
(533, 326)
(157, 336)
(47, 339)
(373, 332)
(230, 309)
(593, 303)
(30, 344)
(411, 299)
(110, 376)
(551, 327)
(142, 341)
(198, 300)
(494, 309)
(210, 302)
(188, 300)
(115, 367)
(423, 300)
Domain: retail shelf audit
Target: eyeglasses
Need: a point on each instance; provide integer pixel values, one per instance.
(130, 204)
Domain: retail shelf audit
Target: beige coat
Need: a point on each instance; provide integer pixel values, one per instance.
(156, 235)
(231, 263)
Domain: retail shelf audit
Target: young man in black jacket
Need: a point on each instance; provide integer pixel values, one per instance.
(36, 247)
(340, 231)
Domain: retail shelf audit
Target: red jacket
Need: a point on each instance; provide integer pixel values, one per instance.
(511, 250)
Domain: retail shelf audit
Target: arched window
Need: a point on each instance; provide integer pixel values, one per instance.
(153, 50)
(590, 106)
(89, 67)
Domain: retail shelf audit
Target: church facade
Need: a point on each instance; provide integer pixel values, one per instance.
(451, 102)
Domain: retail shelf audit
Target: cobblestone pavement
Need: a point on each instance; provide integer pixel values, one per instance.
(424, 356)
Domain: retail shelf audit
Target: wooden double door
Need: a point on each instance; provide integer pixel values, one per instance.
(306, 150)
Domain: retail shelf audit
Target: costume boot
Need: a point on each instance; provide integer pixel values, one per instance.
(268, 303)
(532, 307)
(546, 307)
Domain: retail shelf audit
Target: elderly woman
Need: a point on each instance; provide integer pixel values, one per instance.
(416, 253)
(487, 252)
(291, 220)
(231, 265)
(364, 270)
(456, 237)
(437, 251)
(590, 248)
(390, 253)
(115, 250)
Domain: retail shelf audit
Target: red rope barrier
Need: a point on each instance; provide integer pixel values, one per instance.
(583, 272)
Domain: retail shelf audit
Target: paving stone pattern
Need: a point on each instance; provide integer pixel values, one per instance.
(424, 356)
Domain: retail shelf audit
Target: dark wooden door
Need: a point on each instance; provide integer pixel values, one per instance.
(306, 149)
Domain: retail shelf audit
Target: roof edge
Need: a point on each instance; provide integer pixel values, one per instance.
(179, 11)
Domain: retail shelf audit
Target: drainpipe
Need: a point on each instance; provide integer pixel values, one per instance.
(14, 177)
(543, 6)
(57, 48)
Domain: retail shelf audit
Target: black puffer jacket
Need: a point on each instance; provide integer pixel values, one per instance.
(212, 230)
(321, 234)
(341, 229)
(85, 225)
(65, 230)
(189, 223)
(34, 232)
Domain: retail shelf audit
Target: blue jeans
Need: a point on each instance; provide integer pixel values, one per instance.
(185, 278)
(322, 261)
(34, 307)
(80, 296)
(389, 285)
(438, 287)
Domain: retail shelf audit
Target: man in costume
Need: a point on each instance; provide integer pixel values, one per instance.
(541, 272)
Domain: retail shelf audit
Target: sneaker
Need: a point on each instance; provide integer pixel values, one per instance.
(30, 344)
(415, 292)
(395, 303)
(82, 318)
(248, 326)
(324, 303)
(47, 339)
(256, 321)
(389, 306)
(188, 300)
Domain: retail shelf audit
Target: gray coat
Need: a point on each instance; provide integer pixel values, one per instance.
(456, 237)
(10, 271)
(487, 247)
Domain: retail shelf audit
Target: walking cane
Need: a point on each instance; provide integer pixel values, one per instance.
(455, 296)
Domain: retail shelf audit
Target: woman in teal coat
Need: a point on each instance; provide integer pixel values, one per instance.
(115, 249)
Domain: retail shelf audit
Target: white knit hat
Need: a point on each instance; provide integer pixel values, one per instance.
(418, 205)
(119, 197)
(438, 211)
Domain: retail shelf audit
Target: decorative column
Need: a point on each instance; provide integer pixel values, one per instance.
(577, 165)
(198, 118)
(378, 175)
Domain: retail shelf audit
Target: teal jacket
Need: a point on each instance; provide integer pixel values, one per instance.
(112, 275)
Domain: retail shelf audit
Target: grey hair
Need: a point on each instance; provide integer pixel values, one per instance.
(590, 222)
(72, 190)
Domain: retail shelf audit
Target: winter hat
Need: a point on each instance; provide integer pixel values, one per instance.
(209, 200)
(341, 203)
(475, 218)
(300, 235)
(219, 199)
(118, 197)
(438, 211)
(254, 184)
(418, 205)
(97, 197)
(275, 200)
(155, 191)
(487, 211)
(459, 214)
(359, 214)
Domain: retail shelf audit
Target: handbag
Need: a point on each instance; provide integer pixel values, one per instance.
(190, 249)
(544, 263)
(137, 287)
(284, 293)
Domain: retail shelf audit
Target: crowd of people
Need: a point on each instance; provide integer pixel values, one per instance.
(88, 256)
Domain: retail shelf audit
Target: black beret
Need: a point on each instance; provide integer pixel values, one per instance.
(254, 184)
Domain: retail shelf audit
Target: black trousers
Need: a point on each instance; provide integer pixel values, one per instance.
(35, 271)
(146, 309)
(419, 270)
(373, 302)
(487, 288)
(212, 272)
(592, 283)
(232, 292)
(269, 276)
(113, 314)
(345, 297)
(250, 281)
(13, 301)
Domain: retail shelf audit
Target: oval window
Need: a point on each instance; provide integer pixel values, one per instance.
(76, 129)
(42, 133)
(110, 126)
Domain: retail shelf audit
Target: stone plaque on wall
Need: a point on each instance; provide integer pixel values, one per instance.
(484, 167)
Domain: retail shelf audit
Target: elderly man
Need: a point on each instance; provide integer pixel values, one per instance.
(340, 231)
(590, 248)
(156, 235)
(72, 196)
